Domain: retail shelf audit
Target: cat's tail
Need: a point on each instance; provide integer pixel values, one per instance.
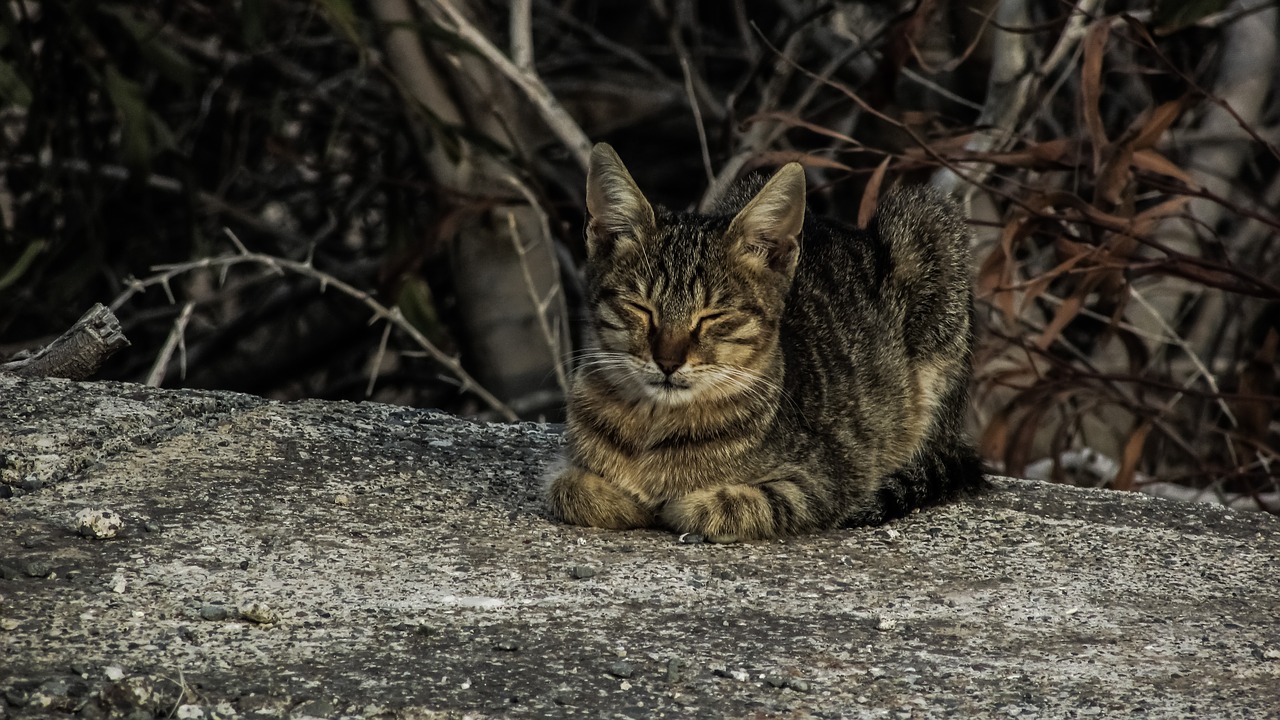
(937, 475)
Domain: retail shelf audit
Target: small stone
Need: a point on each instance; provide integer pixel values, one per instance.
(776, 681)
(622, 669)
(691, 539)
(113, 672)
(798, 685)
(342, 499)
(215, 612)
(31, 484)
(739, 675)
(190, 712)
(36, 568)
(315, 708)
(152, 526)
(260, 613)
(674, 666)
(885, 624)
(9, 624)
(9, 572)
(92, 522)
(506, 646)
(582, 572)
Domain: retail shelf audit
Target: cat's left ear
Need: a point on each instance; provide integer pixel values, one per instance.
(768, 228)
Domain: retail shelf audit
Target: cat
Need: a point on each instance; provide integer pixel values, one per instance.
(761, 372)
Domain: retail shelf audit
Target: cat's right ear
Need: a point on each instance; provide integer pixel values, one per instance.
(619, 212)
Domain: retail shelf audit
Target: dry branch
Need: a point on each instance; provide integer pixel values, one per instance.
(77, 353)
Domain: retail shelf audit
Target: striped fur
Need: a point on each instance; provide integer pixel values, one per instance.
(759, 372)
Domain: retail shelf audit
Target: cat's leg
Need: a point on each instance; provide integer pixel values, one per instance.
(783, 504)
(581, 497)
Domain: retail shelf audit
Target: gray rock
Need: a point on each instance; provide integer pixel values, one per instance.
(582, 571)
(215, 612)
(622, 669)
(1007, 600)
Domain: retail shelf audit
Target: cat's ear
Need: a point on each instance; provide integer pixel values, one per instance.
(767, 230)
(618, 210)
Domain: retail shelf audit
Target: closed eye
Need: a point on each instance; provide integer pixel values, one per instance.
(707, 319)
(643, 311)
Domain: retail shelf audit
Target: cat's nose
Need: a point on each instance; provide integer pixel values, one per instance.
(669, 350)
(668, 366)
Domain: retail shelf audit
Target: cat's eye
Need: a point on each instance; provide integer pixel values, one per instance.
(706, 319)
(643, 311)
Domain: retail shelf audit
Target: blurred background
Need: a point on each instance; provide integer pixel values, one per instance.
(384, 200)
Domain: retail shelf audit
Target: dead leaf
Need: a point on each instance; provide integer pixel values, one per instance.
(1095, 46)
(1131, 455)
(867, 208)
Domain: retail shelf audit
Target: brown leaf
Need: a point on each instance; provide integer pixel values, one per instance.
(1152, 161)
(1115, 175)
(1132, 454)
(1070, 307)
(1095, 46)
(773, 158)
(1157, 123)
(867, 209)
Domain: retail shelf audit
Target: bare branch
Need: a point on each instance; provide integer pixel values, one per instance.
(564, 126)
(77, 353)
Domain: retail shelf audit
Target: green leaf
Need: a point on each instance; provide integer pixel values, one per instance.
(166, 60)
(12, 89)
(418, 306)
(135, 135)
(343, 17)
(24, 262)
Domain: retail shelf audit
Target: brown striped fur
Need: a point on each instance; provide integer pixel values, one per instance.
(759, 371)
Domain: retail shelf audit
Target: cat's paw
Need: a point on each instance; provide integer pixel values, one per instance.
(724, 514)
(580, 497)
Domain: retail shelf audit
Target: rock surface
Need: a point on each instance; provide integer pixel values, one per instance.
(334, 559)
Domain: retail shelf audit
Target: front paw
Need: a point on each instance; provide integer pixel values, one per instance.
(580, 497)
(723, 514)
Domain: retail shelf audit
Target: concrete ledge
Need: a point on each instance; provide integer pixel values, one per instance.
(405, 569)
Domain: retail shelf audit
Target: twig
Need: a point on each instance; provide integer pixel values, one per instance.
(697, 118)
(547, 105)
(176, 340)
(165, 273)
(551, 332)
(521, 29)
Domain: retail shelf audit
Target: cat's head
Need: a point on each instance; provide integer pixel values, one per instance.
(687, 306)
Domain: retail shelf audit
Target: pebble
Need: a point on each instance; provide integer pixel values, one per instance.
(691, 539)
(32, 484)
(506, 646)
(36, 568)
(8, 624)
(341, 499)
(673, 669)
(582, 572)
(8, 572)
(93, 522)
(260, 613)
(215, 612)
(798, 685)
(775, 681)
(622, 669)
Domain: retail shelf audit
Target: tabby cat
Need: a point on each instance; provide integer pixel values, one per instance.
(757, 372)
